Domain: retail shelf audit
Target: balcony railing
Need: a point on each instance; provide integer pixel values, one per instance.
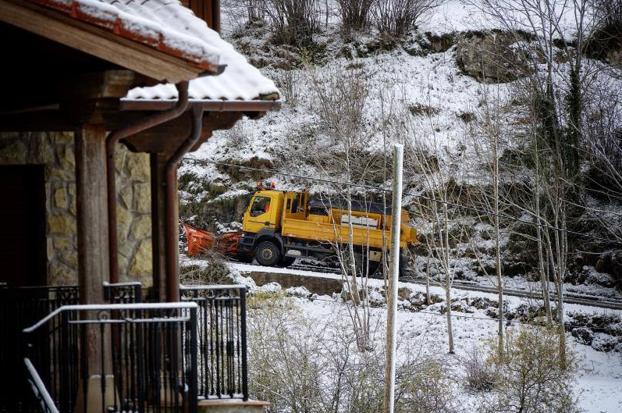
(116, 357)
(123, 293)
(223, 364)
(19, 308)
(143, 354)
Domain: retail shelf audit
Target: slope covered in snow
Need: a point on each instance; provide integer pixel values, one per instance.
(416, 92)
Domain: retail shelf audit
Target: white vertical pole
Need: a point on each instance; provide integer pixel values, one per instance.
(389, 368)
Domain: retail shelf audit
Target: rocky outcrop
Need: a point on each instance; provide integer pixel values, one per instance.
(494, 56)
(611, 263)
(606, 44)
(601, 332)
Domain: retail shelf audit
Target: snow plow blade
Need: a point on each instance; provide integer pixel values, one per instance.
(201, 241)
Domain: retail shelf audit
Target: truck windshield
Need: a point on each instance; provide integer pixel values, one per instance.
(261, 205)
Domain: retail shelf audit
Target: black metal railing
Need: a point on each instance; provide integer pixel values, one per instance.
(19, 308)
(123, 293)
(151, 366)
(223, 364)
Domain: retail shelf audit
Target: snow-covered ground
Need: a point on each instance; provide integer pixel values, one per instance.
(599, 374)
(463, 15)
(599, 378)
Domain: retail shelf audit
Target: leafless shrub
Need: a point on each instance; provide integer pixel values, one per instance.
(609, 14)
(480, 375)
(287, 82)
(238, 135)
(395, 18)
(340, 100)
(605, 37)
(355, 14)
(530, 378)
(300, 365)
(246, 11)
(419, 109)
(424, 388)
(293, 21)
(214, 272)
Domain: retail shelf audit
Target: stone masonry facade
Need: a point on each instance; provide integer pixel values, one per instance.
(56, 152)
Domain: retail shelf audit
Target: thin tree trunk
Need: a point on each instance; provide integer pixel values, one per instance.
(544, 278)
(497, 242)
(445, 241)
(428, 299)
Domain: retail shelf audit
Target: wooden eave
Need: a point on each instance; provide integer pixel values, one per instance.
(100, 43)
(208, 105)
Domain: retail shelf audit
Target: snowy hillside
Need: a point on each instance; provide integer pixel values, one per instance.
(463, 91)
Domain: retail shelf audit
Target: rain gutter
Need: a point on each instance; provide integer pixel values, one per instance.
(171, 241)
(111, 141)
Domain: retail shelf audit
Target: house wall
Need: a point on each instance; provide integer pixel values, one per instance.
(56, 151)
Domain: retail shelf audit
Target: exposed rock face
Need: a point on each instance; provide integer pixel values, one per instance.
(611, 263)
(492, 57)
(606, 44)
(56, 152)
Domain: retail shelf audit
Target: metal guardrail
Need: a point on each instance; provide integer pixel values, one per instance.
(223, 357)
(146, 371)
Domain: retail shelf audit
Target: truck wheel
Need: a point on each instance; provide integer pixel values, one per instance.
(268, 254)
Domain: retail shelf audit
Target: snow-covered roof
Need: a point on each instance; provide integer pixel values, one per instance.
(168, 26)
(239, 81)
(165, 25)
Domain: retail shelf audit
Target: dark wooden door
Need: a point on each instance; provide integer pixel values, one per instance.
(22, 225)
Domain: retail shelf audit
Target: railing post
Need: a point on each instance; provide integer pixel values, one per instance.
(244, 348)
(193, 385)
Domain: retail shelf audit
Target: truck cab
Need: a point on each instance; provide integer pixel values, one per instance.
(264, 211)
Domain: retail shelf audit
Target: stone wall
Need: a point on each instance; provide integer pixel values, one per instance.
(134, 215)
(56, 152)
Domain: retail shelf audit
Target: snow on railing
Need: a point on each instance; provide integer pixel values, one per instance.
(39, 390)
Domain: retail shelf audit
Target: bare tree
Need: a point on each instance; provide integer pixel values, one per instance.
(487, 141)
(339, 99)
(293, 21)
(396, 18)
(554, 97)
(355, 14)
(432, 207)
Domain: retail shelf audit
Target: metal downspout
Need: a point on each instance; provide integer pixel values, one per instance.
(171, 241)
(111, 141)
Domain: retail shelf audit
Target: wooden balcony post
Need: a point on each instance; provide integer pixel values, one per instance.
(158, 224)
(91, 203)
(92, 223)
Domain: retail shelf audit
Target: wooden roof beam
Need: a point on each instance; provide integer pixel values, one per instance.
(97, 42)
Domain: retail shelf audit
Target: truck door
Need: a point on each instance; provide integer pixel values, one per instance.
(259, 214)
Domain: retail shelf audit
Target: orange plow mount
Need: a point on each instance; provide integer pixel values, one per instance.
(201, 241)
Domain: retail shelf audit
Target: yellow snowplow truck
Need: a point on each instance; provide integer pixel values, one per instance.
(280, 226)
